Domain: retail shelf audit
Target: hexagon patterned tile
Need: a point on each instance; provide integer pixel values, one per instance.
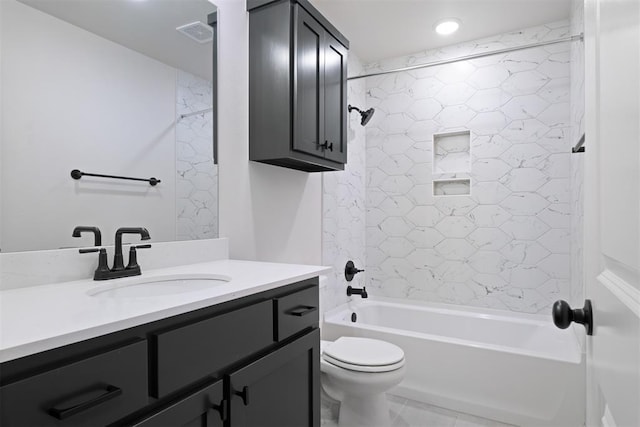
(472, 249)
(197, 175)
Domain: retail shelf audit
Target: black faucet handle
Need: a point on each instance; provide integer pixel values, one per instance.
(88, 250)
(103, 266)
(133, 256)
(102, 271)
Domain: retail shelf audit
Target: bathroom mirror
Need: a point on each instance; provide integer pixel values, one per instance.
(111, 87)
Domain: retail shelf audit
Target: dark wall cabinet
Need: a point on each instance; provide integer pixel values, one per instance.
(248, 362)
(297, 87)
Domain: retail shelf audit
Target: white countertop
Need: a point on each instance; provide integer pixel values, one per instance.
(39, 318)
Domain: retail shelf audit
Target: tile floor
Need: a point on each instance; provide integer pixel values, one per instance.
(409, 413)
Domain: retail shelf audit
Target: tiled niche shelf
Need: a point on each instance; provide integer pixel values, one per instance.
(452, 163)
(457, 185)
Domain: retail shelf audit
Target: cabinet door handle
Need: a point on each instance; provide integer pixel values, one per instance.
(62, 413)
(326, 146)
(222, 409)
(302, 311)
(244, 394)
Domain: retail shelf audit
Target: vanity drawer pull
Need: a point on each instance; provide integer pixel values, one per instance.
(63, 413)
(296, 311)
(302, 311)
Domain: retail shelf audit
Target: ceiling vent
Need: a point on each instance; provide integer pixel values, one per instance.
(197, 31)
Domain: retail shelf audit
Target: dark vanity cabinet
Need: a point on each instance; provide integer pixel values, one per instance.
(297, 87)
(204, 406)
(279, 389)
(247, 362)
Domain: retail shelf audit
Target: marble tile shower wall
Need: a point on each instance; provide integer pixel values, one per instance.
(507, 244)
(343, 203)
(577, 160)
(196, 175)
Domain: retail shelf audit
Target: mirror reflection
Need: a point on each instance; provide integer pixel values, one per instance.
(115, 87)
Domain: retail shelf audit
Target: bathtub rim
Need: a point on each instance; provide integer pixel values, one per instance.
(576, 355)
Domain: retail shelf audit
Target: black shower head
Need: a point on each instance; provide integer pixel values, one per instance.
(365, 115)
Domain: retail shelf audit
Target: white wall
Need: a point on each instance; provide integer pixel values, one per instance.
(268, 213)
(1, 126)
(51, 128)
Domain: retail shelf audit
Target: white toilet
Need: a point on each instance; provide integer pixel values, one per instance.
(358, 372)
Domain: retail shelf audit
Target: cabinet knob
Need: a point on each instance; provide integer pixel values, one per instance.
(244, 394)
(563, 315)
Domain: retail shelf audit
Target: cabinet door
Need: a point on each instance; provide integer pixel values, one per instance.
(308, 81)
(335, 100)
(281, 389)
(204, 407)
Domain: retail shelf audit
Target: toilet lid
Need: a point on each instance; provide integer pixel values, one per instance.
(364, 354)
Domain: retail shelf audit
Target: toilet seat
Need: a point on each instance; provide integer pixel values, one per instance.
(363, 355)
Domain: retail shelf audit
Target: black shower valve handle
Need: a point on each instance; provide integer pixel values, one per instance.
(350, 270)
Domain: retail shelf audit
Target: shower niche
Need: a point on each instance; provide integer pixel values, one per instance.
(452, 163)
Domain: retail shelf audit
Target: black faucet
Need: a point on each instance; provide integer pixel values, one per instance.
(97, 236)
(118, 263)
(357, 291)
(103, 272)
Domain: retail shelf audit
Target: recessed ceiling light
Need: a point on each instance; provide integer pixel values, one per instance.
(447, 26)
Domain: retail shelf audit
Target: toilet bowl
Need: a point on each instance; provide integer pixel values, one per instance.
(357, 372)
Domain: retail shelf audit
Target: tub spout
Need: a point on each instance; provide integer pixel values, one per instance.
(357, 291)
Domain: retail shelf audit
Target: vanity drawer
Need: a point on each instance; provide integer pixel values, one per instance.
(295, 312)
(189, 353)
(94, 391)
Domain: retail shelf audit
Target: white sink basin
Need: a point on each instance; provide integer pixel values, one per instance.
(145, 287)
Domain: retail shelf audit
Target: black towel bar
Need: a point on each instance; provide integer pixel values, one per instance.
(77, 174)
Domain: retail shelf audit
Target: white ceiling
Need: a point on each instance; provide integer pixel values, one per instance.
(381, 29)
(148, 27)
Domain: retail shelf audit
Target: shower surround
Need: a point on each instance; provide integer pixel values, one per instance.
(507, 244)
(196, 173)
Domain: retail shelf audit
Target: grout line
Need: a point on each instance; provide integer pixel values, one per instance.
(404, 404)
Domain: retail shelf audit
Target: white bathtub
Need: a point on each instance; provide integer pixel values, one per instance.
(515, 368)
